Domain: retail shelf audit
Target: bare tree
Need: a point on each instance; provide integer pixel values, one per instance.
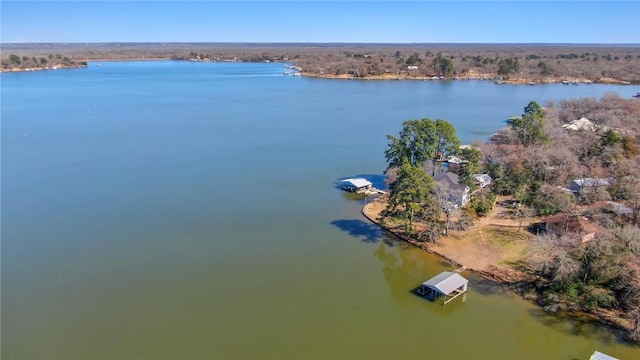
(630, 236)
(565, 268)
(540, 254)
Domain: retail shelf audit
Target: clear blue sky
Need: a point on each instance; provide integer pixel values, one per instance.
(322, 21)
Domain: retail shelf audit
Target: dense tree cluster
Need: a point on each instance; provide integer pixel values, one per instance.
(540, 153)
(604, 273)
(444, 67)
(412, 200)
(422, 145)
(31, 62)
(536, 159)
(528, 128)
(508, 66)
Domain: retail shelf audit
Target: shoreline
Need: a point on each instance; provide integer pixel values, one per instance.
(117, 60)
(511, 279)
(482, 77)
(519, 81)
(372, 215)
(57, 67)
(63, 67)
(536, 63)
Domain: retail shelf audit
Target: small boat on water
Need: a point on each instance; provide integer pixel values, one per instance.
(637, 94)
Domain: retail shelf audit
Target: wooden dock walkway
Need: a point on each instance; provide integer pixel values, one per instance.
(374, 191)
(450, 298)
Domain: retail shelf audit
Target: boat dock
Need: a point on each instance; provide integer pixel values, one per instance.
(447, 284)
(360, 186)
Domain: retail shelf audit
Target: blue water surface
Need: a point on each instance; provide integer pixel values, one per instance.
(189, 210)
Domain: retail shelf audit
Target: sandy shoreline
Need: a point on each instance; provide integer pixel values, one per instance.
(462, 248)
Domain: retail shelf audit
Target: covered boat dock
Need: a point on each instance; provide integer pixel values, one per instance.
(597, 355)
(447, 284)
(357, 185)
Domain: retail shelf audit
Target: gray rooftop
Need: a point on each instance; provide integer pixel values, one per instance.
(591, 182)
(450, 180)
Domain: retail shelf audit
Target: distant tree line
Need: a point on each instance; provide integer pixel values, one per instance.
(515, 62)
(538, 64)
(14, 61)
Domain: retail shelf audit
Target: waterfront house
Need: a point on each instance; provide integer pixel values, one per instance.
(456, 193)
(563, 224)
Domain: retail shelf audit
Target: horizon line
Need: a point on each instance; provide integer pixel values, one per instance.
(308, 43)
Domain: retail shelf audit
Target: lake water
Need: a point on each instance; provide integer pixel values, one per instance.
(189, 210)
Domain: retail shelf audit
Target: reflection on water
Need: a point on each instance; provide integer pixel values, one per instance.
(405, 268)
(361, 229)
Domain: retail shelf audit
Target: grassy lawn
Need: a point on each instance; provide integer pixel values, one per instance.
(493, 243)
(510, 242)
